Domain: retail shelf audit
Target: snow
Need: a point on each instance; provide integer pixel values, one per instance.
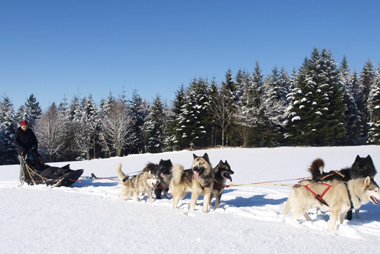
(89, 217)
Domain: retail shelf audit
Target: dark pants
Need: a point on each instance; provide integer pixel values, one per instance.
(22, 174)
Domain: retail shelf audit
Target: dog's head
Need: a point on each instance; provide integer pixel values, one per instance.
(152, 180)
(201, 166)
(363, 167)
(371, 190)
(164, 167)
(223, 169)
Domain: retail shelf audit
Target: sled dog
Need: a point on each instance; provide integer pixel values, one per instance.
(338, 197)
(222, 172)
(199, 180)
(362, 167)
(163, 172)
(142, 183)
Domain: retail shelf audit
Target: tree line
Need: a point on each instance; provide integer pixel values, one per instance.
(320, 104)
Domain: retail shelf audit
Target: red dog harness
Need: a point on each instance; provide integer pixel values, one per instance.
(319, 197)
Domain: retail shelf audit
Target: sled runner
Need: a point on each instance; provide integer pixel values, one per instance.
(37, 172)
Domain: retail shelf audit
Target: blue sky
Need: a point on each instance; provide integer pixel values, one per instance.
(57, 49)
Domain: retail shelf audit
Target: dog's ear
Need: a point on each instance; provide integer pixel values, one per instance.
(205, 156)
(218, 167)
(195, 156)
(369, 158)
(357, 158)
(367, 181)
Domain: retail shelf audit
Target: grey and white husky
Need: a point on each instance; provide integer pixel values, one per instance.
(334, 195)
(142, 183)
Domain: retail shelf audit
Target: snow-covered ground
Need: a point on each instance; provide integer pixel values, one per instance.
(89, 217)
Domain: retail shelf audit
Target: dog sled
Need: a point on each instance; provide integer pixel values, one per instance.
(37, 172)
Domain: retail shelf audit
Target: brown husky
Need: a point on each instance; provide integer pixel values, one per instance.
(199, 180)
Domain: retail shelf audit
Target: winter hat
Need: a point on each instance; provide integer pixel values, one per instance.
(24, 123)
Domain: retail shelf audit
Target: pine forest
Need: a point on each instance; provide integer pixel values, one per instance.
(323, 103)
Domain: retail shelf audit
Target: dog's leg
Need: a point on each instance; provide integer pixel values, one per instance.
(206, 201)
(349, 214)
(307, 217)
(194, 198)
(212, 195)
(158, 192)
(217, 200)
(176, 197)
(357, 213)
(333, 219)
(341, 218)
(136, 195)
(150, 194)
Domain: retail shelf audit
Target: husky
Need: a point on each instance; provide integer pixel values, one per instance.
(362, 167)
(334, 195)
(163, 172)
(199, 180)
(144, 182)
(222, 172)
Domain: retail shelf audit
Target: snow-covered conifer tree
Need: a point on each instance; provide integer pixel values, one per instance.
(195, 115)
(30, 111)
(316, 112)
(8, 153)
(139, 111)
(352, 114)
(374, 109)
(155, 127)
(366, 80)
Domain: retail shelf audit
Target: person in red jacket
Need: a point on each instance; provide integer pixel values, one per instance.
(24, 140)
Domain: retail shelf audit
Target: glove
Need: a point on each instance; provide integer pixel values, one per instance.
(24, 152)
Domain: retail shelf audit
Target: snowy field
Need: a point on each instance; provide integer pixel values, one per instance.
(89, 217)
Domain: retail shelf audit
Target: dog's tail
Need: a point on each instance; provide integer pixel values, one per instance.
(316, 169)
(177, 172)
(120, 173)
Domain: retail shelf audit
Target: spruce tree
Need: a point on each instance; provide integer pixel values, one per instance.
(30, 111)
(173, 140)
(195, 117)
(365, 82)
(374, 109)
(155, 126)
(139, 113)
(275, 102)
(352, 114)
(8, 153)
(316, 115)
